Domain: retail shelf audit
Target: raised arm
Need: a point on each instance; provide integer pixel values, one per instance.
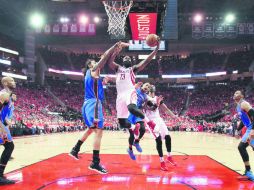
(144, 63)
(113, 65)
(105, 57)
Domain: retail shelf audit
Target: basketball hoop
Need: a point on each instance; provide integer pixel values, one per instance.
(117, 12)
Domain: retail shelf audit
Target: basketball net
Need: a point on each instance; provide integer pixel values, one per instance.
(117, 12)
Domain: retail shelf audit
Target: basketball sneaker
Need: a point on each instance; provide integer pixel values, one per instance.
(250, 175)
(163, 166)
(138, 147)
(5, 181)
(131, 154)
(74, 154)
(98, 168)
(171, 161)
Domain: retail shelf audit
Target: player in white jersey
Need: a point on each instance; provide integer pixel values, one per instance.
(126, 94)
(125, 86)
(160, 132)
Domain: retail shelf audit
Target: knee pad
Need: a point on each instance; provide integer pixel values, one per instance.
(168, 138)
(142, 126)
(9, 146)
(158, 141)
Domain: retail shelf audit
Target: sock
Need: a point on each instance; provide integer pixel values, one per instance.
(96, 156)
(78, 145)
(247, 168)
(130, 147)
(2, 167)
(169, 154)
(136, 141)
(161, 159)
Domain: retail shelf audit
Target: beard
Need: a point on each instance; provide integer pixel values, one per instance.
(127, 64)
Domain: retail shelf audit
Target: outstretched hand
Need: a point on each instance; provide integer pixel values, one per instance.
(158, 43)
(138, 85)
(159, 100)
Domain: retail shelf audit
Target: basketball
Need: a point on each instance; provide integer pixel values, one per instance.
(152, 40)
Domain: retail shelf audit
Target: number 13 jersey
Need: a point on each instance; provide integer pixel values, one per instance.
(126, 93)
(125, 80)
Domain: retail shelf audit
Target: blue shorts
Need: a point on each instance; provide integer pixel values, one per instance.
(134, 119)
(92, 111)
(9, 137)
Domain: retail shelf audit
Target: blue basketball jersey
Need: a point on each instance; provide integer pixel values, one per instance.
(141, 98)
(7, 111)
(93, 87)
(243, 115)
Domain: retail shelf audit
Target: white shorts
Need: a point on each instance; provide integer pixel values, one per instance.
(160, 129)
(122, 101)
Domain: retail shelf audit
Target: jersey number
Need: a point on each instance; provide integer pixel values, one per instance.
(122, 76)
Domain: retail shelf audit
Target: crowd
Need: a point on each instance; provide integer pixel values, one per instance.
(38, 112)
(194, 63)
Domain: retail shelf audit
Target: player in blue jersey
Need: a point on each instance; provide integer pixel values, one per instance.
(137, 122)
(92, 107)
(5, 136)
(246, 113)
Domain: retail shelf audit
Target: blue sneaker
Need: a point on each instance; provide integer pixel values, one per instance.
(138, 147)
(250, 175)
(131, 154)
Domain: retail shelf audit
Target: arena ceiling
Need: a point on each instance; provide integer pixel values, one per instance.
(14, 13)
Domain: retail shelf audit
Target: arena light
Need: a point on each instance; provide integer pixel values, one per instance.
(9, 51)
(83, 19)
(5, 62)
(190, 87)
(229, 18)
(215, 74)
(5, 74)
(108, 75)
(198, 18)
(96, 19)
(65, 72)
(176, 76)
(64, 19)
(142, 57)
(235, 72)
(37, 20)
(142, 76)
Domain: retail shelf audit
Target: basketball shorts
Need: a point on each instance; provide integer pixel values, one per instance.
(160, 129)
(134, 119)
(122, 101)
(92, 113)
(6, 138)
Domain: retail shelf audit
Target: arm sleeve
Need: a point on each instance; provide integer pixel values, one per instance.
(251, 114)
(241, 125)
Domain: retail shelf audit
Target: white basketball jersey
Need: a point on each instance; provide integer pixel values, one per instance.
(152, 113)
(125, 80)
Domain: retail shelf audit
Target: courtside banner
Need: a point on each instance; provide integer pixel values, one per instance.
(142, 24)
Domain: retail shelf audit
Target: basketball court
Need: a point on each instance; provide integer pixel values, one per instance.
(205, 161)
